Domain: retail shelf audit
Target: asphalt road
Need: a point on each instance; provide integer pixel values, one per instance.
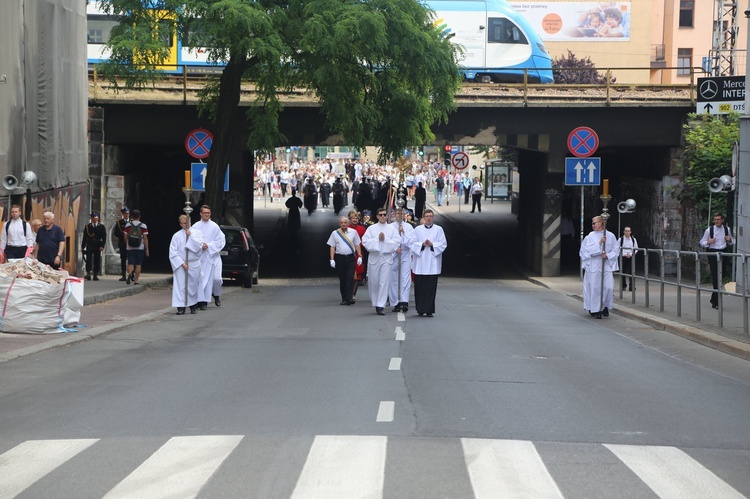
(508, 391)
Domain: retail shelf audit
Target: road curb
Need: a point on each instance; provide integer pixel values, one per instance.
(706, 338)
(125, 291)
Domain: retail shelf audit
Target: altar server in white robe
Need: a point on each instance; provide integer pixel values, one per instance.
(427, 260)
(213, 243)
(381, 240)
(185, 258)
(599, 252)
(400, 297)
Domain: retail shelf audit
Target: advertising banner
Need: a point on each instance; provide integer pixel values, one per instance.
(578, 21)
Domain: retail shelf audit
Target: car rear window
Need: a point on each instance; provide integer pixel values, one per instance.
(234, 239)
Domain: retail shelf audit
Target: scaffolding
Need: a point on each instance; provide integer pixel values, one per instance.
(724, 56)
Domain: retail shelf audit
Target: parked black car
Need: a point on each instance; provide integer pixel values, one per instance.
(240, 257)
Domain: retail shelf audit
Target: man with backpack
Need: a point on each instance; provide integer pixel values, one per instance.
(439, 186)
(137, 243)
(16, 238)
(122, 240)
(716, 239)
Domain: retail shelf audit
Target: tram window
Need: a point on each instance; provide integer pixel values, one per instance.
(502, 30)
(98, 28)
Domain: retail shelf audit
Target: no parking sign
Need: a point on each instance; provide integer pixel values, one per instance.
(198, 143)
(583, 142)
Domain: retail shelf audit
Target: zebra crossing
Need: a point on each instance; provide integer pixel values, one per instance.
(348, 466)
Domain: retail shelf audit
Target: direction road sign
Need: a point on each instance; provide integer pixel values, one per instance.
(721, 95)
(198, 143)
(198, 172)
(460, 160)
(583, 171)
(583, 142)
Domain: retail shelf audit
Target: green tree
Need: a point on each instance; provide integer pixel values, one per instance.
(382, 72)
(709, 141)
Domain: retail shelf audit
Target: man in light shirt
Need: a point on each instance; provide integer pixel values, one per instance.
(628, 248)
(17, 237)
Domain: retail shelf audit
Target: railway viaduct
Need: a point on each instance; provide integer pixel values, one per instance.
(139, 136)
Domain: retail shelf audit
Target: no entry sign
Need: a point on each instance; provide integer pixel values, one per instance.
(198, 143)
(583, 142)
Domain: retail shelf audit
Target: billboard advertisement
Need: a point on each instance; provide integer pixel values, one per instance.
(578, 21)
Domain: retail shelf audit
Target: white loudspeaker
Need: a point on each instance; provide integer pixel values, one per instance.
(28, 178)
(10, 182)
(627, 206)
(721, 184)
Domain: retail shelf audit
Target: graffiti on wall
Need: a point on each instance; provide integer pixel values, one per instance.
(66, 204)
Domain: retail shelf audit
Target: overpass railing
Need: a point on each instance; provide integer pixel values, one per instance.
(684, 282)
(184, 85)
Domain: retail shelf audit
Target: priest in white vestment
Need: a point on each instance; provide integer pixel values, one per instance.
(185, 258)
(213, 242)
(399, 296)
(599, 252)
(427, 261)
(381, 240)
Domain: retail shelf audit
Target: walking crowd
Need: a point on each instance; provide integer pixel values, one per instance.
(396, 253)
(366, 185)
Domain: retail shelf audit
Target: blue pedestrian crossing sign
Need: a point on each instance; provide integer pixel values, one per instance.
(198, 172)
(583, 171)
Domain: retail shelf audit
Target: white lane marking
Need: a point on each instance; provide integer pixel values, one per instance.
(400, 336)
(507, 468)
(385, 411)
(395, 364)
(26, 463)
(179, 468)
(401, 317)
(672, 473)
(343, 466)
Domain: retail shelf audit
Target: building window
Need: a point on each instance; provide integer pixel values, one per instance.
(684, 61)
(686, 13)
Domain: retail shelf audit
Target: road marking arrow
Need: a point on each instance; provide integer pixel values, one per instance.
(204, 174)
(591, 169)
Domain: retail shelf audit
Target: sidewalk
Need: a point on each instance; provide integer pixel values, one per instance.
(125, 304)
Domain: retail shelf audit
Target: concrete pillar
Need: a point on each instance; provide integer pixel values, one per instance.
(551, 187)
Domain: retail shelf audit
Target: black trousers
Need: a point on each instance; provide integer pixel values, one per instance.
(627, 270)
(94, 259)
(466, 195)
(476, 202)
(15, 251)
(425, 290)
(345, 265)
(713, 265)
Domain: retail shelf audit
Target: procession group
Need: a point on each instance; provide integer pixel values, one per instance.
(195, 257)
(395, 252)
(369, 184)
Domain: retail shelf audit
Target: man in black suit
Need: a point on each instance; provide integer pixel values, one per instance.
(92, 245)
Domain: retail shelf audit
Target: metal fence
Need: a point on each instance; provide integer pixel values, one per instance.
(688, 283)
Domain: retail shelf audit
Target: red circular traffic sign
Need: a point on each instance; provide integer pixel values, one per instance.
(460, 160)
(198, 143)
(583, 142)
